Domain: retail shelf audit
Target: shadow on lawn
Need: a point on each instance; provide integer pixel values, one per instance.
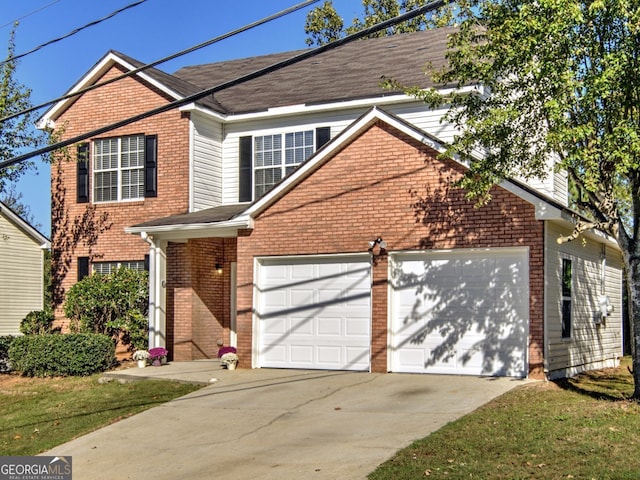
(613, 384)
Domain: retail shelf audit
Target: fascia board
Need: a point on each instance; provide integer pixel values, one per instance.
(195, 230)
(321, 107)
(290, 110)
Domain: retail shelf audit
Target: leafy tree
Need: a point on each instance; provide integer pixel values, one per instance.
(12, 198)
(324, 25)
(560, 80)
(19, 132)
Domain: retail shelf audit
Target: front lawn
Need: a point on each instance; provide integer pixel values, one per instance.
(39, 413)
(580, 428)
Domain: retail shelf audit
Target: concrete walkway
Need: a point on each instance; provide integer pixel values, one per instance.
(275, 424)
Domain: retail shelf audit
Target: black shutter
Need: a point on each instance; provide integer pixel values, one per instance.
(244, 173)
(82, 184)
(146, 263)
(83, 267)
(151, 166)
(323, 135)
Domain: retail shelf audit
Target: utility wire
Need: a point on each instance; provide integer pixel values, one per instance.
(135, 71)
(29, 14)
(73, 32)
(245, 78)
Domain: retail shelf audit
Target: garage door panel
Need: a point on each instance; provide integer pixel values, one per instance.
(358, 327)
(460, 315)
(326, 313)
(329, 326)
(301, 327)
(302, 354)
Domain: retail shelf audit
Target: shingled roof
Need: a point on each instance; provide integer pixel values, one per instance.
(349, 72)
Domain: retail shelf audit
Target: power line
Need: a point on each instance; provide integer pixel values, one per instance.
(245, 78)
(165, 59)
(73, 32)
(13, 22)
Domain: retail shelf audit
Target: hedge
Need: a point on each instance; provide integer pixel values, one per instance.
(77, 354)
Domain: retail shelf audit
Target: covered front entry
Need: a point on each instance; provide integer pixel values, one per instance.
(460, 312)
(314, 312)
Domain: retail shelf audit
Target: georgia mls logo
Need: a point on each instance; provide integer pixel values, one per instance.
(35, 468)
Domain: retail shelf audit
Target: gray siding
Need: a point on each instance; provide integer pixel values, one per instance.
(21, 285)
(593, 344)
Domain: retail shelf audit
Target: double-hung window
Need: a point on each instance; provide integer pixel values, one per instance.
(118, 169)
(276, 156)
(264, 160)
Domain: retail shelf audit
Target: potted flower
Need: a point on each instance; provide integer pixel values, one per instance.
(141, 356)
(158, 356)
(230, 360)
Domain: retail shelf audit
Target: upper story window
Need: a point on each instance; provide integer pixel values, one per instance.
(267, 159)
(122, 168)
(118, 169)
(274, 158)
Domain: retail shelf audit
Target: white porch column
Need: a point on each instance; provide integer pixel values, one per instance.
(157, 290)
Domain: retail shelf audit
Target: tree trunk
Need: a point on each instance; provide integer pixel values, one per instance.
(633, 277)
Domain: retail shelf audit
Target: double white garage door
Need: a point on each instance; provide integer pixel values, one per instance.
(449, 312)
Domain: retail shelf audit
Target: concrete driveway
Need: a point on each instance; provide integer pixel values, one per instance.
(279, 424)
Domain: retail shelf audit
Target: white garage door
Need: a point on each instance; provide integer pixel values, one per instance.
(314, 313)
(460, 312)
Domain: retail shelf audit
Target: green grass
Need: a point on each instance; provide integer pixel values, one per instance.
(40, 413)
(580, 428)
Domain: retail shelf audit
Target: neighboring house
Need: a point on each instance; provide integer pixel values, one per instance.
(305, 217)
(21, 270)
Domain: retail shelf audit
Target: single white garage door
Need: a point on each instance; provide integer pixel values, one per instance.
(314, 313)
(460, 312)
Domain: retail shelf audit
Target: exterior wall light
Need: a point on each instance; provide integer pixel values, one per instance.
(378, 241)
(219, 268)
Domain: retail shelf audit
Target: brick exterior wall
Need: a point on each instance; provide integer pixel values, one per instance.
(198, 297)
(97, 230)
(385, 184)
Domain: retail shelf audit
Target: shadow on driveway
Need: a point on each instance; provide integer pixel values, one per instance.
(277, 424)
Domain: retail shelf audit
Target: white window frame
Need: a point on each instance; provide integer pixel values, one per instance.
(283, 151)
(566, 298)
(106, 268)
(120, 167)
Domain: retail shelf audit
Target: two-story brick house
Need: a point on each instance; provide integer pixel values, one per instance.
(306, 217)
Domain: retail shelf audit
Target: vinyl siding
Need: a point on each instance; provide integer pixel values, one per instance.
(21, 283)
(207, 180)
(592, 344)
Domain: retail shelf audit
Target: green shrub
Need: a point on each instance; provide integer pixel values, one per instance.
(37, 322)
(76, 354)
(116, 305)
(5, 343)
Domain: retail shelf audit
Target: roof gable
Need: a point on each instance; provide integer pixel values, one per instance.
(334, 146)
(24, 226)
(172, 86)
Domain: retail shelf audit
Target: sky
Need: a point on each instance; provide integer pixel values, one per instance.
(147, 32)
